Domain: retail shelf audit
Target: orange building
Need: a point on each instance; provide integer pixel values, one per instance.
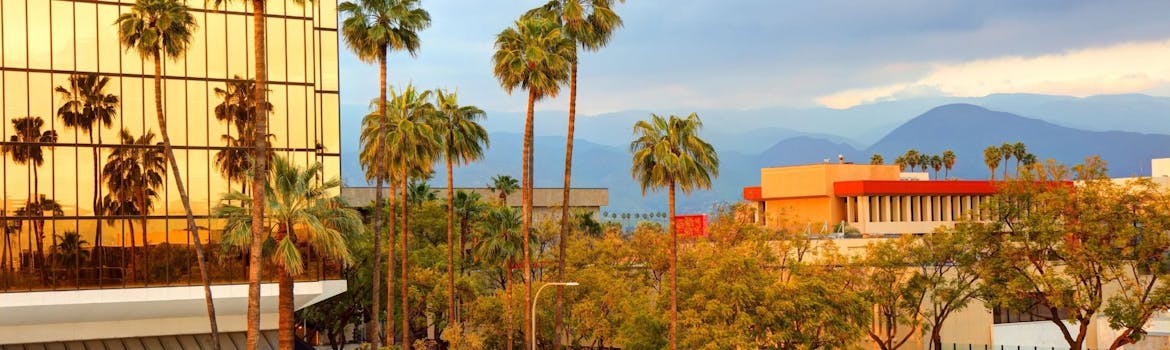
(874, 199)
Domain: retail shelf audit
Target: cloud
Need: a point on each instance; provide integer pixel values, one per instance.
(1122, 68)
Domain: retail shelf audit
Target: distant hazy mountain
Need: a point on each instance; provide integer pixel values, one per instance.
(745, 145)
(968, 129)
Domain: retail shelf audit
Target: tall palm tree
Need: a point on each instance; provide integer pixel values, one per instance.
(589, 24)
(668, 153)
(911, 156)
(35, 210)
(463, 141)
(27, 147)
(501, 244)
(259, 174)
(86, 105)
(1019, 151)
(7, 228)
(924, 161)
(534, 55)
(991, 156)
(371, 29)
(134, 175)
(900, 161)
(300, 210)
(1006, 150)
(158, 29)
(876, 159)
(236, 110)
(936, 163)
(504, 185)
(71, 252)
(414, 146)
(948, 158)
(375, 157)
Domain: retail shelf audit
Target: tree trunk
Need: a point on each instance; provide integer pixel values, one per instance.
(284, 307)
(99, 257)
(133, 266)
(565, 204)
(259, 173)
(526, 211)
(145, 243)
(191, 226)
(373, 333)
(673, 273)
(373, 330)
(406, 344)
(39, 229)
(450, 241)
(390, 221)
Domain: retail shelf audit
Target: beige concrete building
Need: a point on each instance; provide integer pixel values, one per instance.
(546, 202)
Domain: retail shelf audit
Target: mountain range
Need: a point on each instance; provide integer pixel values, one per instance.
(1125, 130)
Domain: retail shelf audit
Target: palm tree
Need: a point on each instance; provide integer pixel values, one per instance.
(911, 156)
(7, 263)
(375, 158)
(991, 156)
(900, 161)
(876, 159)
(1006, 151)
(158, 28)
(134, 174)
(936, 163)
(414, 146)
(589, 24)
(259, 175)
(924, 161)
(71, 251)
(26, 148)
(668, 153)
(35, 210)
(1019, 151)
(501, 244)
(236, 110)
(86, 105)
(948, 158)
(371, 29)
(468, 205)
(536, 56)
(463, 141)
(504, 185)
(297, 199)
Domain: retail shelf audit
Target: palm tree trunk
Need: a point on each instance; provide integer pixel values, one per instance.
(99, 257)
(133, 266)
(259, 173)
(145, 243)
(673, 274)
(191, 226)
(373, 333)
(391, 222)
(450, 242)
(565, 203)
(284, 302)
(526, 210)
(406, 344)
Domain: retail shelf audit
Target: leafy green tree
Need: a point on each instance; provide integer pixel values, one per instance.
(534, 55)
(895, 291)
(504, 185)
(668, 153)
(944, 265)
(501, 245)
(158, 29)
(86, 105)
(300, 210)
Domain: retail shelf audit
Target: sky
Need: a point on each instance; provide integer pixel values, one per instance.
(743, 55)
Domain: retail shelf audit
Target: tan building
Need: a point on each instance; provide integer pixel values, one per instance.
(546, 202)
(874, 199)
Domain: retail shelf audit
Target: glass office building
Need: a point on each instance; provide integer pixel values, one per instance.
(55, 233)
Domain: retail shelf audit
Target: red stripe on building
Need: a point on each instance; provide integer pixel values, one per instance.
(753, 193)
(948, 187)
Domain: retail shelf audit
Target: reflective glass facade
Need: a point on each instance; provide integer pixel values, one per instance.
(44, 42)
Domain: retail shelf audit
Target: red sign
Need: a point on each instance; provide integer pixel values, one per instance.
(691, 226)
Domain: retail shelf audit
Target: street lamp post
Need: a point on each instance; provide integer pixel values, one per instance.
(533, 310)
